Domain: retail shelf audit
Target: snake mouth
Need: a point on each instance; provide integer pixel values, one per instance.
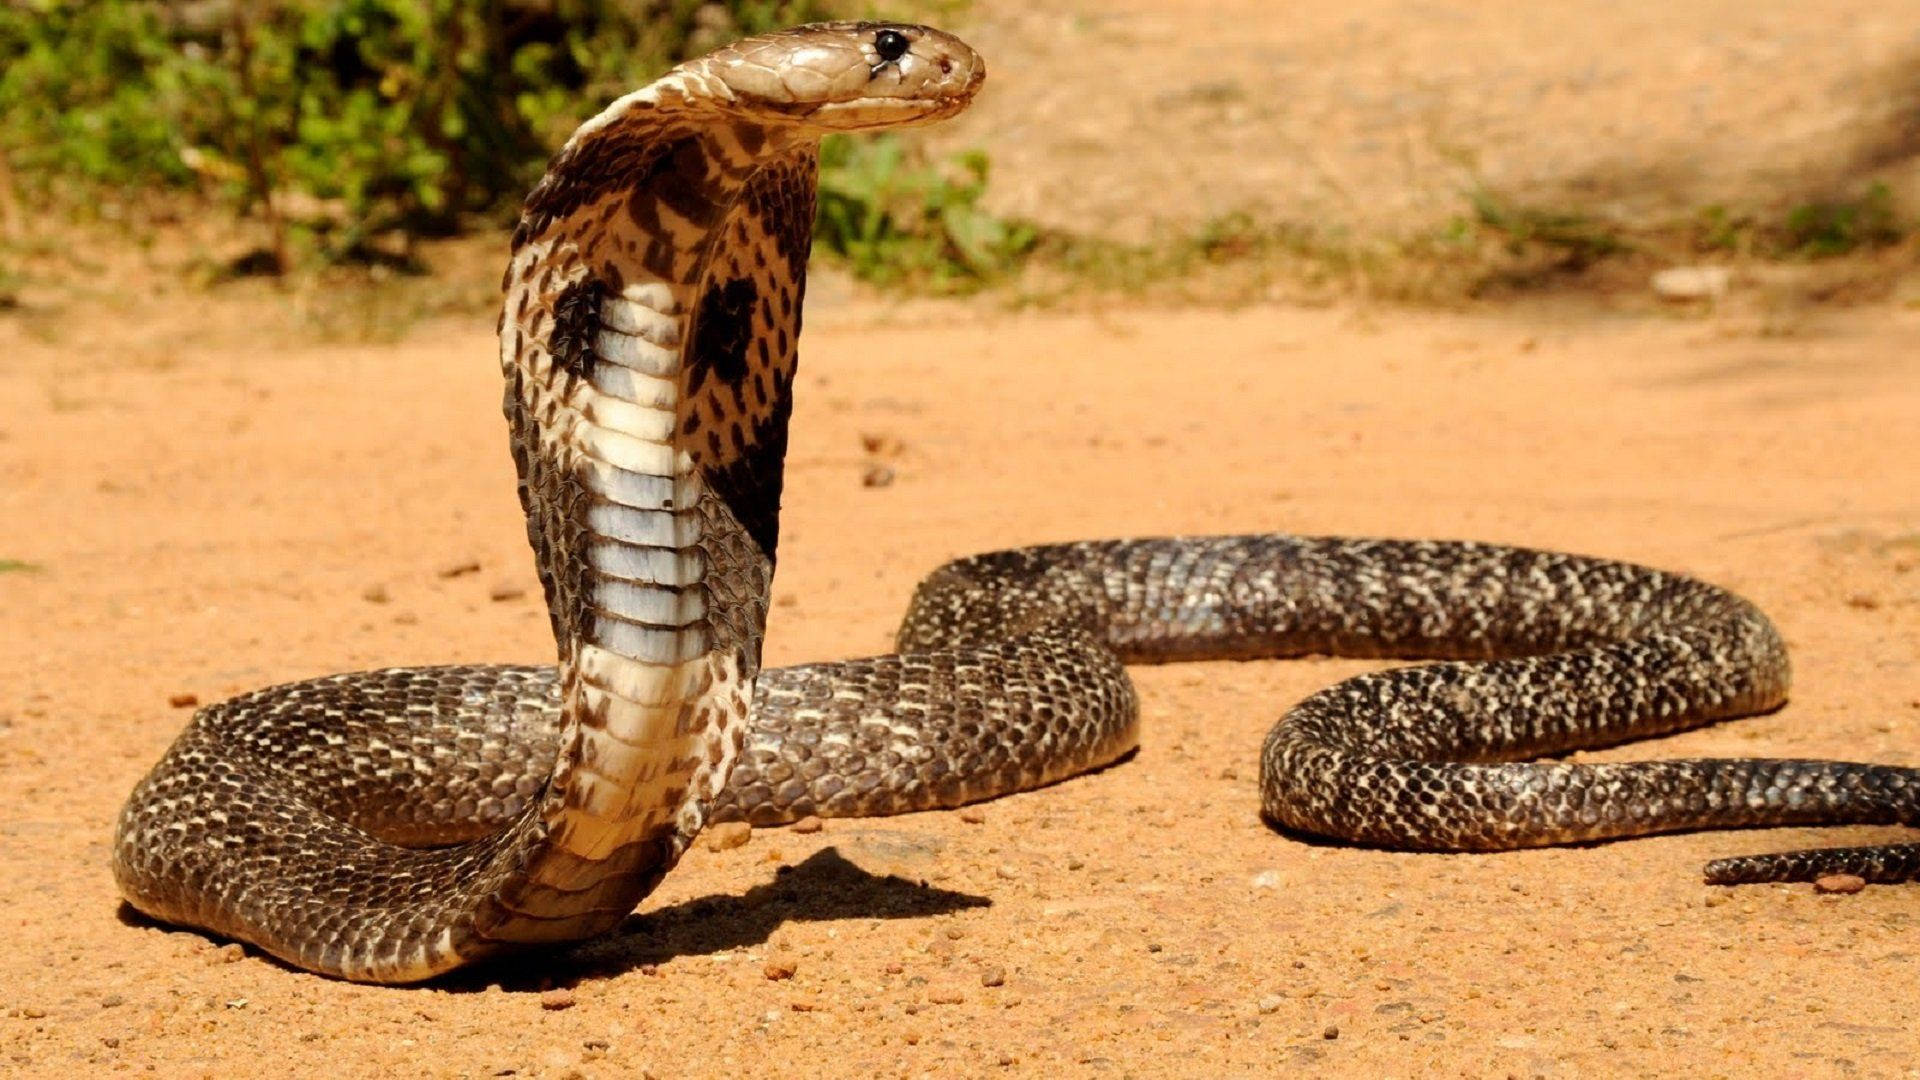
(878, 112)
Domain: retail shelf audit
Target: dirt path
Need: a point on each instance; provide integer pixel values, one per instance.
(1375, 117)
(214, 519)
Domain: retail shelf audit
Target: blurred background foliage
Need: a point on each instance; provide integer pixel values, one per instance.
(352, 128)
(344, 132)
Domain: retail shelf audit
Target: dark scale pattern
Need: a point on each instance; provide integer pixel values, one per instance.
(583, 174)
(788, 206)
(1886, 864)
(1544, 653)
(388, 826)
(555, 502)
(892, 734)
(1011, 678)
(576, 319)
(723, 333)
(391, 825)
(741, 366)
(230, 817)
(750, 484)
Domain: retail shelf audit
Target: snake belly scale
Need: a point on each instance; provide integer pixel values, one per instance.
(387, 826)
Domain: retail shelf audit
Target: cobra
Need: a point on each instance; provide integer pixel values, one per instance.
(388, 826)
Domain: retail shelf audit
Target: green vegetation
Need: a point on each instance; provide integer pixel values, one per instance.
(1546, 240)
(340, 123)
(1496, 245)
(1839, 227)
(895, 216)
(1821, 229)
(351, 129)
(1190, 264)
(1532, 246)
(16, 566)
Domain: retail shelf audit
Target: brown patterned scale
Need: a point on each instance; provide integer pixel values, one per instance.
(391, 825)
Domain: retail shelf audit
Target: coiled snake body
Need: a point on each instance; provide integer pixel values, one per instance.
(391, 825)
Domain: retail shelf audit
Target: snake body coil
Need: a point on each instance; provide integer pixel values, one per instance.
(391, 825)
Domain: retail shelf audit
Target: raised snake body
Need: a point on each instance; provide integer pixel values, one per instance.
(391, 825)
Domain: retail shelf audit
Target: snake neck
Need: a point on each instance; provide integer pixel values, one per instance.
(649, 341)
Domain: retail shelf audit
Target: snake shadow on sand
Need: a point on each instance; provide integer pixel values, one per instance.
(826, 886)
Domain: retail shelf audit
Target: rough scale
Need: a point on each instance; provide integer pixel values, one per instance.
(391, 825)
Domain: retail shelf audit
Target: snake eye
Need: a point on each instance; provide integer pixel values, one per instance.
(890, 44)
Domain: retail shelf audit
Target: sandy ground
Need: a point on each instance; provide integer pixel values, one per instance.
(1374, 118)
(206, 507)
(213, 519)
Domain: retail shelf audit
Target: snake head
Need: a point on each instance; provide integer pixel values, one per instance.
(848, 76)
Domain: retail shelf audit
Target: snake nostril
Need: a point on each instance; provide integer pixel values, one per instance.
(946, 65)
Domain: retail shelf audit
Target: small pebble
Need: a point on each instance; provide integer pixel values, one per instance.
(1332, 1032)
(33, 1012)
(1691, 282)
(728, 835)
(505, 590)
(877, 476)
(945, 997)
(894, 969)
(555, 1000)
(230, 953)
(808, 824)
(1074, 862)
(1270, 1004)
(781, 966)
(1864, 602)
(1840, 884)
(375, 593)
(973, 815)
(993, 976)
(1005, 872)
(1267, 879)
(881, 445)
(112, 1001)
(183, 701)
(458, 567)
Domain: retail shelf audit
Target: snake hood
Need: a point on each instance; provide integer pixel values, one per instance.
(390, 825)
